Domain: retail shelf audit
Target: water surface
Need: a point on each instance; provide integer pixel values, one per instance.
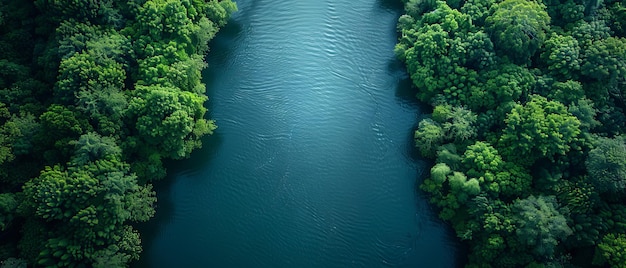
(312, 164)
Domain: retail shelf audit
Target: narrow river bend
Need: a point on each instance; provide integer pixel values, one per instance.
(312, 163)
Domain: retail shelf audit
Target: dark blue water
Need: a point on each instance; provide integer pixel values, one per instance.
(312, 164)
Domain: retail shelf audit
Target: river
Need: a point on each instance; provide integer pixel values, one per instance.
(312, 164)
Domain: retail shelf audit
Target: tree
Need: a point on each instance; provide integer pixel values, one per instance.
(588, 228)
(178, 71)
(106, 108)
(25, 96)
(496, 177)
(587, 32)
(488, 250)
(94, 200)
(463, 188)
(528, 109)
(460, 124)
(24, 131)
(121, 254)
(204, 31)
(448, 154)
(169, 119)
(14, 263)
(439, 172)
(481, 158)
(428, 136)
(478, 10)
(91, 147)
(567, 92)
(540, 224)
(518, 28)
(513, 181)
(605, 60)
(219, 11)
(618, 16)
(94, 197)
(59, 125)
(160, 20)
(565, 12)
(73, 36)
(613, 249)
(450, 189)
(606, 164)
(416, 8)
(562, 56)
(431, 43)
(8, 209)
(506, 84)
(578, 196)
(480, 50)
(435, 54)
(538, 129)
(89, 85)
(11, 72)
(82, 71)
(96, 11)
(56, 193)
(6, 133)
(585, 111)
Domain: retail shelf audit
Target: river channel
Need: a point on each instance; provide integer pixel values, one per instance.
(312, 164)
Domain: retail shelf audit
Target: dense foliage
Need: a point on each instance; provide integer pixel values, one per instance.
(528, 130)
(94, 95)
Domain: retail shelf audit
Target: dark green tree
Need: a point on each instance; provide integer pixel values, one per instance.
(518, 28)
(606, 164)
(562, 56)
(613, 249)
(605, 60)
(8, 210)
(428, 136)
(506, 84)
(541, 224)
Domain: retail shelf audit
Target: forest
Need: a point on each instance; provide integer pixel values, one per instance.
(527, 131)
(94, 96)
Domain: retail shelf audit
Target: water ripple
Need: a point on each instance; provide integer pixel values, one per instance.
(312, 167)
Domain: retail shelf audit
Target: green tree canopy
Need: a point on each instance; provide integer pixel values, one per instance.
(606, 164)
(169, 119)
(613, 249)
(562, 56)
(8, 210)
(540, 224)
(507, 83)
(605, 60)
(428, 136)
(518, 28)
(93, 201)
(538, 129)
